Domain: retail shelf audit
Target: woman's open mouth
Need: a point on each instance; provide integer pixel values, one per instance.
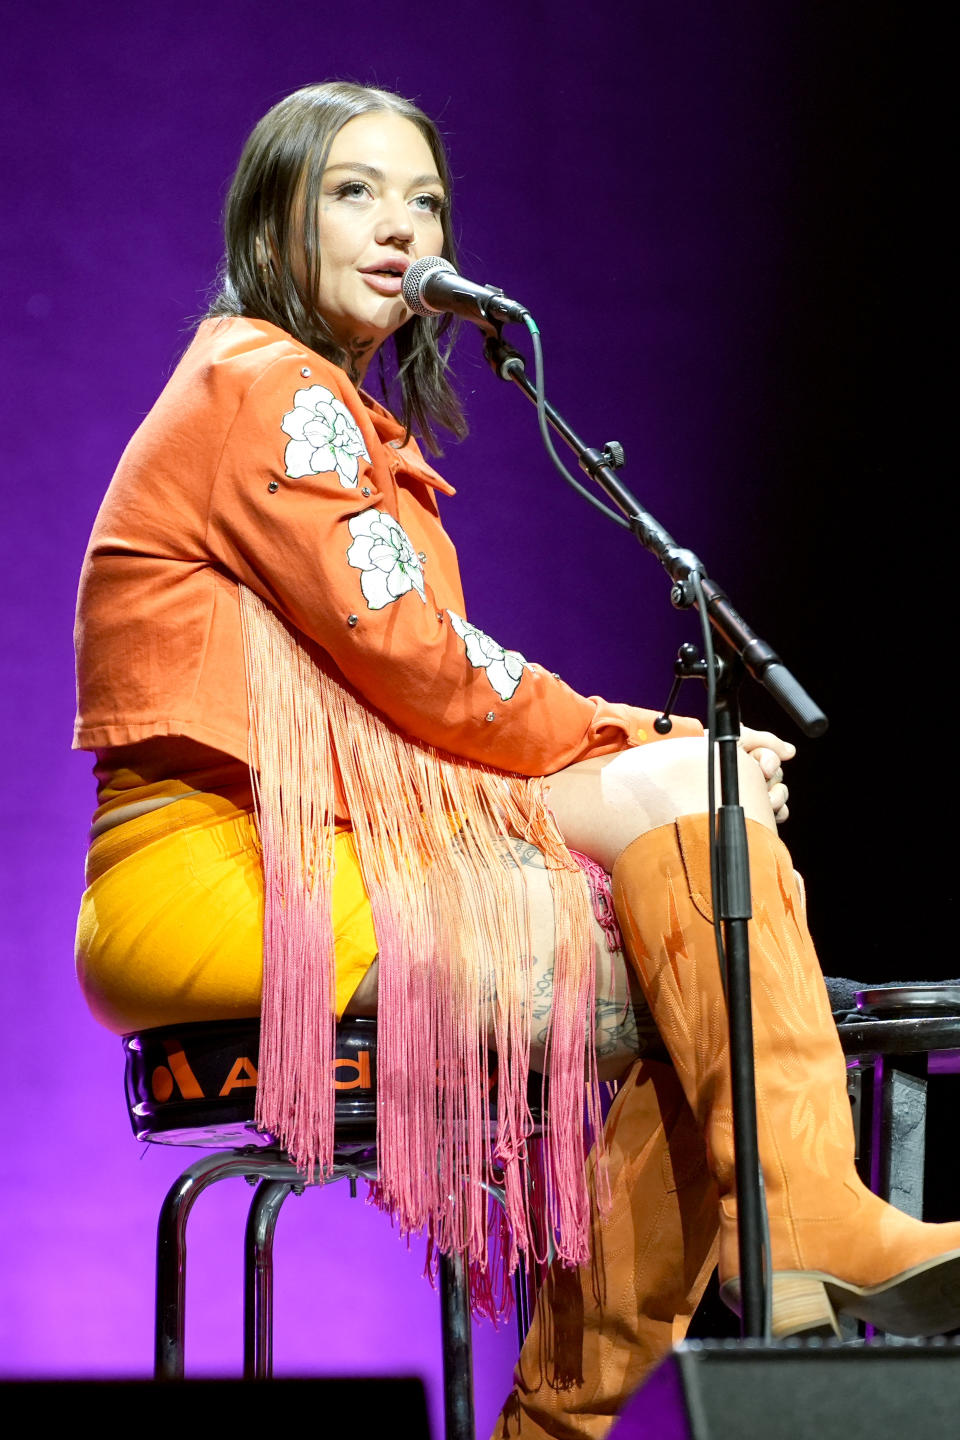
(386, 278)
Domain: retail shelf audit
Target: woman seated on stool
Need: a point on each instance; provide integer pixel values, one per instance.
(323, 790)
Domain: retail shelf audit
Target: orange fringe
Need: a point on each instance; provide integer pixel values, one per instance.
(454, 949)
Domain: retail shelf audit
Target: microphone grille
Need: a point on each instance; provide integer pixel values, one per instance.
(414, 279)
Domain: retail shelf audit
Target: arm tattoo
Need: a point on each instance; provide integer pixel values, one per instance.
(541, 1005)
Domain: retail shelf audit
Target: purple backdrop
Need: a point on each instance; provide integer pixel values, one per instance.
(693, 201)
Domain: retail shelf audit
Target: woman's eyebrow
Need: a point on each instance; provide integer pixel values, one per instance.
(376, 174)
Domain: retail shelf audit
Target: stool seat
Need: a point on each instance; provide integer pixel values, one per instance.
(196, 1084)
(882, 1036)
(911, 1000)
(903, 1019)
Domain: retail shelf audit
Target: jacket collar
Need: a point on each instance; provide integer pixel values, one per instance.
(409, 458)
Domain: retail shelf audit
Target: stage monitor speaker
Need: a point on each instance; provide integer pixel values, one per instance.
(741, 1390)
(361, 1405)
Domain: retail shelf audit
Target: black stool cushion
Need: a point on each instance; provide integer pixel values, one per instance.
(196, 1084)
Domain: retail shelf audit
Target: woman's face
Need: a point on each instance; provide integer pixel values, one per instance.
(380, 209)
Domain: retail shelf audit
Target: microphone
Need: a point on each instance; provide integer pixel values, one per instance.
(432, 286)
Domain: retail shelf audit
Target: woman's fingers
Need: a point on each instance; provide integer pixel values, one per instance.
(754, 740)
(779, 795)
(769, 762)
(770, 753)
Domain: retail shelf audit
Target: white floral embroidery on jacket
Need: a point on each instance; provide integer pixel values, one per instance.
(504, 667)
(323, 436)
(382, 550)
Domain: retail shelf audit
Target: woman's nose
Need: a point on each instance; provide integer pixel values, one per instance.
(395, 222)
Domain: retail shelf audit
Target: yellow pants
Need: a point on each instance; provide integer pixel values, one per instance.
(171, 923)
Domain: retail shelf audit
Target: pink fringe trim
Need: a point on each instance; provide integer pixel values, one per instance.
(601, 893)
(455, 962)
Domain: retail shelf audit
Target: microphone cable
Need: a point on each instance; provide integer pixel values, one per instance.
(534, 332)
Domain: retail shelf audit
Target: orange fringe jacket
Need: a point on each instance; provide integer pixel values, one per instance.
(268, 575)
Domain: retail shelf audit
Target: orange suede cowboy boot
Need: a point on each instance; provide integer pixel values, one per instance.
(834, 1245)
(599, 1330)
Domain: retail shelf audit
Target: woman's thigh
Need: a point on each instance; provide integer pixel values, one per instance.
(174, 931)
(618, 1003)
(621, 1017)
(602, 805)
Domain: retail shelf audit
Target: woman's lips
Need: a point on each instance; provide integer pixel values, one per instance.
(386, 277)
(383, 283)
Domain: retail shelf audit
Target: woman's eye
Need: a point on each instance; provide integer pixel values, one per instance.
(352, 190)
(432, 204)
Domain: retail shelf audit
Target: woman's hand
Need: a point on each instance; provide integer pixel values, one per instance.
(771, 754)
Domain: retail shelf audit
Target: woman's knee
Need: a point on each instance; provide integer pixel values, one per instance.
(602, 805)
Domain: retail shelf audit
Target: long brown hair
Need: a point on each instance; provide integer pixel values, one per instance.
(282, 163)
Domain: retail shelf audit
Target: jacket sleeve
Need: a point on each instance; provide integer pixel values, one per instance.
(302, 511)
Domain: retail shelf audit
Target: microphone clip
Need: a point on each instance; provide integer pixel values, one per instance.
(503, 359)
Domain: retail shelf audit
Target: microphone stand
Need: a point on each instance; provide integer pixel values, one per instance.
(739, 651)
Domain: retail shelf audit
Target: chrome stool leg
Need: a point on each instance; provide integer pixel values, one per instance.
(172, 1255)
(457, 1349)
(258, 1278)
(172, 1240)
